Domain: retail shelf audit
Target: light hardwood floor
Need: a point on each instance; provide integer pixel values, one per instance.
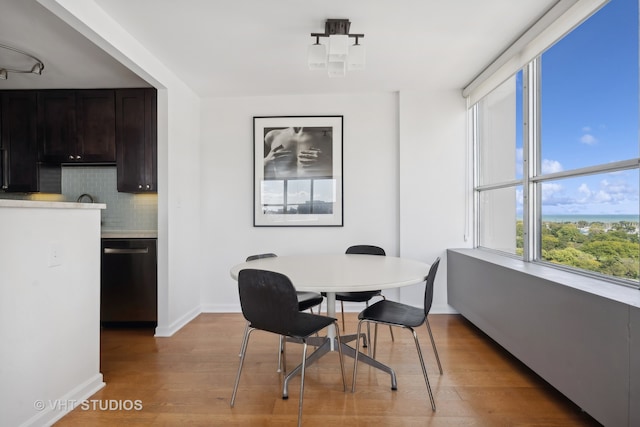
(187, 379)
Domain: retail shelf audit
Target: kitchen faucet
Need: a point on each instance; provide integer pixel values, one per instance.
(82, 196)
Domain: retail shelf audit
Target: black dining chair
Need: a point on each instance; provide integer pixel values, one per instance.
(306, 301)
(269, 303)
(405, 316)
(361, 296)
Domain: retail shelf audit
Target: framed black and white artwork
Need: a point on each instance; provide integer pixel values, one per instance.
(298, 171)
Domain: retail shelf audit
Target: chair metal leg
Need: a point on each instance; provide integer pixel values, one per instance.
(424, 369)
(375, 340)
(342, 310)
(366, 303)
(304, 360)
(280, 353)
(284, 356)
(245, 342)
(303, 370)
(355, 359)
(433, 344)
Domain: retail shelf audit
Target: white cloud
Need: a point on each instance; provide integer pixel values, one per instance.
(553, 194)
(584, 193)
(613, 192)
(588, 139)
(551, 166)
(602, 196)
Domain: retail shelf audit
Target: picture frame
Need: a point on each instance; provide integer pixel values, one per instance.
(298, 171)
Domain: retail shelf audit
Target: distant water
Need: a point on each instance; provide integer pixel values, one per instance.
(607, 219)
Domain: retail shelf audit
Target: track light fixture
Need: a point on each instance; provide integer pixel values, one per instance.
(23, 60)
(338, 54)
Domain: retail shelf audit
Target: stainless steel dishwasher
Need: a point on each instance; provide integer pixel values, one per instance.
(128, 284)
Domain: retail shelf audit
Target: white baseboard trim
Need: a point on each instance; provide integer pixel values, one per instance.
(55, 409)
(167, 331)
(221, 308)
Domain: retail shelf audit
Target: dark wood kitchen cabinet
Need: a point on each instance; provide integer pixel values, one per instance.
(136, 140)
(77, 126)
(96, 125)
(19, 167)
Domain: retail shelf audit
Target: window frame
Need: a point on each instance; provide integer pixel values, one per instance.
(533, 178)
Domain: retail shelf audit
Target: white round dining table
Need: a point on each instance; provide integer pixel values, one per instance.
(331, 273)
(342, 272)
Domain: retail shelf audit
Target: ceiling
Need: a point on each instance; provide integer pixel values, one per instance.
(259, 47)
(70, 60)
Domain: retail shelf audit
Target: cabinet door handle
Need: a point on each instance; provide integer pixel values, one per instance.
(78, 157)
(148, 187)
(71, 157)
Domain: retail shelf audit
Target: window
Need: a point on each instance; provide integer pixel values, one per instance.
(557, 147)
(499, 134)
(305, 196)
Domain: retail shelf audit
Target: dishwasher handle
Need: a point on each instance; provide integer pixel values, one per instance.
(126, 250)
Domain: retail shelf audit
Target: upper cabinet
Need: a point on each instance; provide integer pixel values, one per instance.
(43, 129)
(19, 168)
(56, 125)
(96, 125)
(76, 126)
(136, 140)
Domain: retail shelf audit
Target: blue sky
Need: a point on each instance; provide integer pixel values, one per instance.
(590, 112)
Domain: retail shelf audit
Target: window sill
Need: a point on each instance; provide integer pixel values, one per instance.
(593, 286)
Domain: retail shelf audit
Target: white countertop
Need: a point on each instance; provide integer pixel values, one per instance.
(37, 204)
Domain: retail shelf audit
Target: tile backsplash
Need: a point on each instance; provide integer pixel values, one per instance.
(124, 212)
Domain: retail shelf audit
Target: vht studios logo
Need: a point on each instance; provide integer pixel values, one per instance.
(89, 405)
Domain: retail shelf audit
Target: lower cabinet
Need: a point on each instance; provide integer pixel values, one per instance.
(128, 282)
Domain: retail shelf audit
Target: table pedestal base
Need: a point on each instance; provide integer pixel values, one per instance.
(325, 345)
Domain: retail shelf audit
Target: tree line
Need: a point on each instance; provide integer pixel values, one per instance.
(612, 249)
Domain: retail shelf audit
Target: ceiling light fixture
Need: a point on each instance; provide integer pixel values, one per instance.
(24, 63)
(339, 55)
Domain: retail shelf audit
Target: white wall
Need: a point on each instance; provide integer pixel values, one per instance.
(49, 315)
(433, 184)
(179, 211)
(404, 184)
(370, 157)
